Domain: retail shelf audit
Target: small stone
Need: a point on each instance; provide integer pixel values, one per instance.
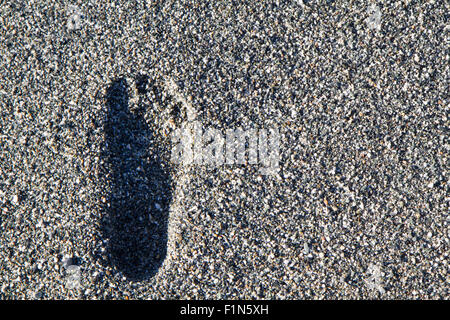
(74, 20)
(15, 199)
(305, 248)
(374, 19)
(73, 278)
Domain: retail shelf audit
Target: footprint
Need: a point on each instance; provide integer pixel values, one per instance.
(138, 187)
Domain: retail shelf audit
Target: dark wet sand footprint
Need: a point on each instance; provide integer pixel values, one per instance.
(139, 194)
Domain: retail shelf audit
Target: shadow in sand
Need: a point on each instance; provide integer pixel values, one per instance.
(136, 209)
